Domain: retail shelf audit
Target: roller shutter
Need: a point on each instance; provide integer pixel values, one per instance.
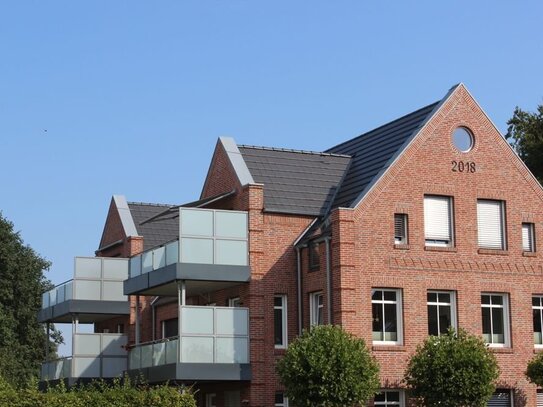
(490, 224)
(539, 398)
(501, 398)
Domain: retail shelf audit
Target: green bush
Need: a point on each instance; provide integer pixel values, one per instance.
(97, 394)
(452, 370)
(534, 373)
(328, 367)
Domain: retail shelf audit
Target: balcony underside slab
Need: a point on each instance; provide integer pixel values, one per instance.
(88, 310)
(194, 372)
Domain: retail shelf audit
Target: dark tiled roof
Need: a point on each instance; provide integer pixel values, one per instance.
(373, 152)
(300, 182)
(158, 231)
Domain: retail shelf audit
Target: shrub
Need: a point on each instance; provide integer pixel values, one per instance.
(534, 372)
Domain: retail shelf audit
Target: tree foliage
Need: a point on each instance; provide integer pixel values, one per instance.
(452, 370)
(534, 372)
(22, 338)
(328, 367)
(525, 133)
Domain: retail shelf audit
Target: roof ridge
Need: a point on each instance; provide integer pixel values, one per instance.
(149, 204)
(290, 150)
(385, 124)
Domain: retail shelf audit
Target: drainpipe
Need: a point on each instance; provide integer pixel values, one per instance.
(299, 282)
(137, 320)
(328, 281)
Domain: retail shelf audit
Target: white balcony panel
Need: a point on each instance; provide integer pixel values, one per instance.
(231, 252)
(232, 321)
(231, 350)
(88, 267)
(87, 290)
(196, 222)
(113, 367)
(197, 349)
(86, 344)
(115, 269)
(197, 320)
(113, 344)
(86, 366)
(113, 291)
(231, 224)
(196, 251)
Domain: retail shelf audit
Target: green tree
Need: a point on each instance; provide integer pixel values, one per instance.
(22, 338)
(525, 133)
(534, 372)
(452, 370)
(328, 367)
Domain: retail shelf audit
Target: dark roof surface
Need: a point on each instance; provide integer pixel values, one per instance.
(159, 230)
(373, 152)
(300, 182)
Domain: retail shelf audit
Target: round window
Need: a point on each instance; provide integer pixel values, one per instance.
(462, 139)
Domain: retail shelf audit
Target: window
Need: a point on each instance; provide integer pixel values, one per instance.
(388, 398)
(528, 240)
(280, 400)
(462, 139)
(280, 320)
(490, 224)
(537, 314)
(170, 327)
(438, 223)
(211, 400)
(314, 259)
(441, 311)
(386, 315)
(234, 302)
(495, 314)
(316, 308)
(400, 228)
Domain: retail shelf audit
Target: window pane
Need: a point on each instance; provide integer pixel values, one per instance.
(486, 324)
(393, 396)
(431, 297)
(444, 319)
(497, 325)
(536, 301)
(380, 397)
(485, 299)
(278, 398)
(377, 315)
(537, 326)
(320, 320)
(444, 297)
(391, 328)
(278, 326)
(432, 320)
(377, 295)
(278, 301)
(497, 299)
(390, 295)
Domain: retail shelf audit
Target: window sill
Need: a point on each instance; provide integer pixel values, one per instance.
(501, 350)
(401, 246)
(529, 254)
(388, 348)
(496, 252)
(538, 348)
(440, 249)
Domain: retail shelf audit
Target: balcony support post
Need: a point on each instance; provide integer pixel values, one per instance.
(181, 300)
(137, 310)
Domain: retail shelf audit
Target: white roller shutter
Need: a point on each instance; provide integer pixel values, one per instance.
(539, 398)
(528, 237)
(437, 220)
(490, 224)
(501, 398)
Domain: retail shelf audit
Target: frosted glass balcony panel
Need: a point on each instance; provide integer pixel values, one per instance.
(113, 291)
(68, 291)
(172, 253)
(113, 367)
(231, 350)
(53, 297)
(230, 224)
(113, 344)
(45, 300)
(232, 321)
(87, 290)
(197, 251)
(147, 262)
(60, 294)
(86, 366)
(115, 269)
(146, 356)
(159, 258)
(135, 266)
(66, 367)
(134, 358)
(171, 351)
(231, 252)
(197, 320)
(86, 344)
(197, 349)
(159, 353)
(196, 222)
(88, 267)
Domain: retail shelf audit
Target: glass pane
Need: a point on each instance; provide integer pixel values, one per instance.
(197, 320)
(159, 258)
(171, 351)
(147, 262)
(232, 252)
(538, 338)
(445, 321)
(377, 295)
(278, 301)
(159, 353)
(497, 299)
(197, 251)
(432, 320)
(53, 296)
(278, 326)
(146, 355)
(87, 290)
(485, 299)
(231, 350)
(115, 269)
(390, 295)
(172, 252)
(231, 321)
(197, 350)
(536, 301)
(390, 318)
(431, 297)
(88, 268)
(45, 300)
(393, 396)
(377, 316)
(462, 139)
(134, 358)
(231, 224)
(444, 297)
(320, 319)
(60, 294)
(68, 290)
(135, 266)
(380, 397)
(498, 325)
(537, 324)
(196, 222)
(486, 324)
(278, 398)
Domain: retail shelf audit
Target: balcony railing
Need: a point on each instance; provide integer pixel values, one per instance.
(208, 335)
(95, 278)
(94, 355)
(205, 237)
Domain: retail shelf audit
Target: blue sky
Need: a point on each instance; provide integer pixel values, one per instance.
(128, 97)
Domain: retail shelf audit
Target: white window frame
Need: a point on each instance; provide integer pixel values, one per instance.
(387, 403)
(540, 308)
(315, 308)
(506, 324)
(234, 302)
(399, 314)
(433, 221)
(528, 237)
(483, 228)
(284, 320)
(285, 400)
(211, 400)
(439, 304)
(403, 218)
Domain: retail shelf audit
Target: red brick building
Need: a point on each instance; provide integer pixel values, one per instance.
(427, 222)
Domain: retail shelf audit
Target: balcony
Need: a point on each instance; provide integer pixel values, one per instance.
(211, 253)
(95, 356)
(95, 293)
(213, 344)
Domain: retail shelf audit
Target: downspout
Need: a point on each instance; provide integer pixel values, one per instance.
(299, 283)
(328, 281)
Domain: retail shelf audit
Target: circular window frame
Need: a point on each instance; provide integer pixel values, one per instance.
(467, 131)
